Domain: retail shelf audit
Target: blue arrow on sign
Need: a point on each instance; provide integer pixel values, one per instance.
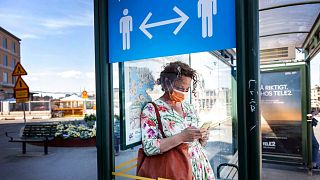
(182, 19)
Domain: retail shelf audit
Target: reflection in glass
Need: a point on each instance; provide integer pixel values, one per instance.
(213, 103)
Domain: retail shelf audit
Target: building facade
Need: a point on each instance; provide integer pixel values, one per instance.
(315, 97)
(9, 56)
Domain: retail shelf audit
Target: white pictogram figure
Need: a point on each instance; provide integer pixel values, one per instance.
(125, 29)
(206, 9)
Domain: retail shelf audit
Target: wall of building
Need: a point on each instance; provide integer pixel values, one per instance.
(9, 56)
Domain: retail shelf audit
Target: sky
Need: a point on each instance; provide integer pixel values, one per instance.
(315, 70)
(57, 42)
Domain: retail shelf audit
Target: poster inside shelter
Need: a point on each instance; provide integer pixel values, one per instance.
(281, 114)
(139, 80)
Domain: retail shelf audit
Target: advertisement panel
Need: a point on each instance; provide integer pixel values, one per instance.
(137, 88)
(281, 116)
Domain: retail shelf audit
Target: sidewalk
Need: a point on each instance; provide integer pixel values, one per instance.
(81, 163)
(286, 172)
(60, 163)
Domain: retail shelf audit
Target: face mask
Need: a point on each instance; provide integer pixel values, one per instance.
(178, 96)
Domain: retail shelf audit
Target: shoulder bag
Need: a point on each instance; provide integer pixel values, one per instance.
(173, 164)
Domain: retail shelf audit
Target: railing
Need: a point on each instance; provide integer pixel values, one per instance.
(30, 106)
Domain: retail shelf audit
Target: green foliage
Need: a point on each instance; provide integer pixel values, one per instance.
(75, 129)
(90, 119)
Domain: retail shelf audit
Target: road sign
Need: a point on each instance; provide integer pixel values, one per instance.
(20, 84)
(22, 100)
(84, 94)
(19, 70)
(22, 93)
(153, 28)
(21, 90)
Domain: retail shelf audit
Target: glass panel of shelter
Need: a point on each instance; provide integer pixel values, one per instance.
(212, 103)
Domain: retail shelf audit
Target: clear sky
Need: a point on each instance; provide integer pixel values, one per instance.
(57, 42)
(57, 47)
(315, 70)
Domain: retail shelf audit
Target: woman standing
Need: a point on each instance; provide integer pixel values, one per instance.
(178, 119)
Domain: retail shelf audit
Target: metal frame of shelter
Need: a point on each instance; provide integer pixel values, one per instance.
(301, 31)
(248, 72)
(247, 69)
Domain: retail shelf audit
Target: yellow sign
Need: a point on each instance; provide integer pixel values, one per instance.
(20, 84)
(20, 94)
(84, 94)
(22, 100)
(19, 70)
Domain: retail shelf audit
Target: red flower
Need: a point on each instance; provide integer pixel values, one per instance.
(150, 123)
(143, 116)
(184, 115)
(162, 108)
(170, 124)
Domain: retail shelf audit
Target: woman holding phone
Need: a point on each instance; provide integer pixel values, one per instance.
(179, 120)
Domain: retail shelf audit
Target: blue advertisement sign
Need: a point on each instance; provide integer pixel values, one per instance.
(140, 29)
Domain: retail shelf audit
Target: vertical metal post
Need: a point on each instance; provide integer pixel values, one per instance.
(104, 93)
(24, 112)
(309, 117)
(308, 86)
(234, 106)
(248, 73)
(49, 102)
(46, 143)
(309, 143)
(24, 147)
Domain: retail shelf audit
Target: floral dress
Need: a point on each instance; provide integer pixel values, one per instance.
(173, 123)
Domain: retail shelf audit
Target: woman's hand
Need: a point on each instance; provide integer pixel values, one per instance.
(187, 135)
(204, 136)
(190, 134)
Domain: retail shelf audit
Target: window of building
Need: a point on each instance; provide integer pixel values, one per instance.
(13, 63)
(14, 80)
(5, 60)
(4, 43)
(5, 78)
(13, 47)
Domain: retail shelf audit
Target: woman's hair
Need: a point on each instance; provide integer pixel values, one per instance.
(174, 70)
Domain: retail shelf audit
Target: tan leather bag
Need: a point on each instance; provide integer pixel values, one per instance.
(173, 164)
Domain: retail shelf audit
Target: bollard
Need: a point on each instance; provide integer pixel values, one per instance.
(309, 143)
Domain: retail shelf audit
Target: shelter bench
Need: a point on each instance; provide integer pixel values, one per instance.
(35, 133)
(230, 170)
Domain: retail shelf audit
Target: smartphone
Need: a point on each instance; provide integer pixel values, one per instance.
(206, 125)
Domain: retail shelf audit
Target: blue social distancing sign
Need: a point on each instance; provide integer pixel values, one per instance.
(140, 29)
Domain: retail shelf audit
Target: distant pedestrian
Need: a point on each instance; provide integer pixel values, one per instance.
(315, 143)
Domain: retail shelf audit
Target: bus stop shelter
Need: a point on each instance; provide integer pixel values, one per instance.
(280, 26)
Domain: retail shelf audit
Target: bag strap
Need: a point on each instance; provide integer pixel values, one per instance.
(158, 119)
